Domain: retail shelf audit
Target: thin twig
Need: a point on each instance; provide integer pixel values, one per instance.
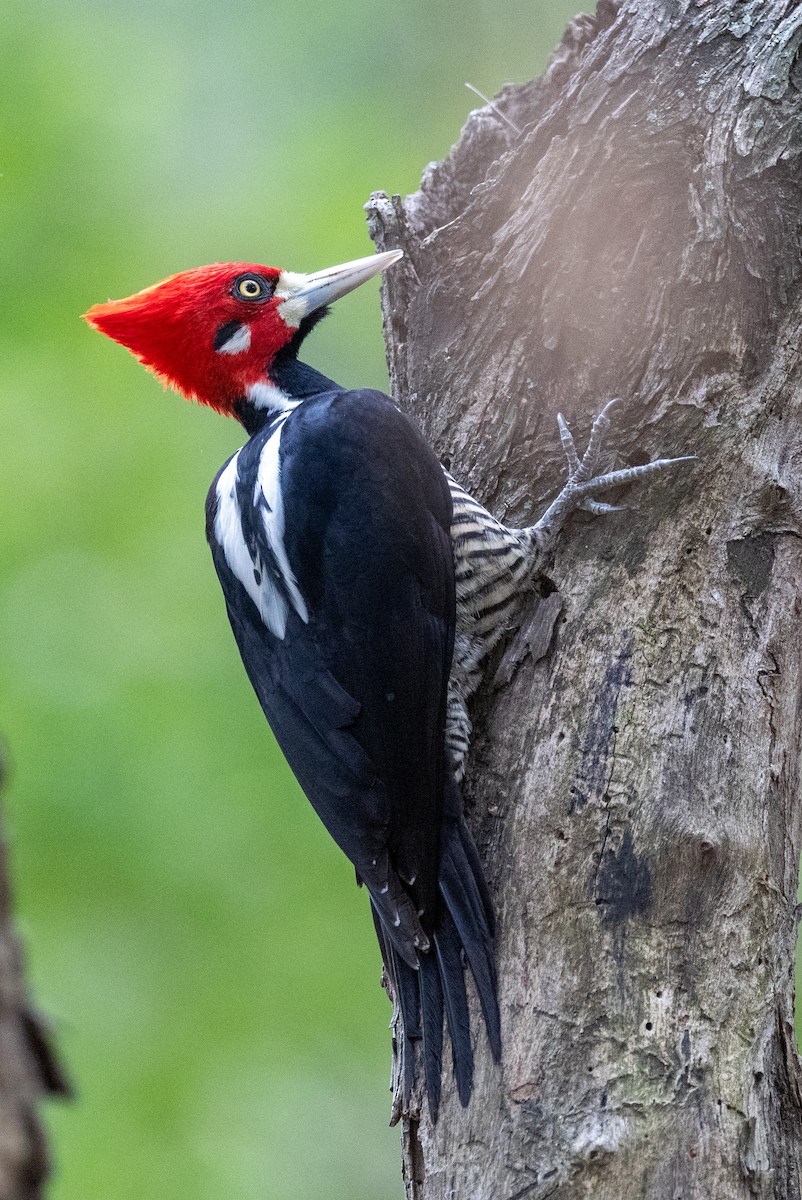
(502, 116)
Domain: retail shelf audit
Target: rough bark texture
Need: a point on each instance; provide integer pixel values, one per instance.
(634, 780)
(28, 1067)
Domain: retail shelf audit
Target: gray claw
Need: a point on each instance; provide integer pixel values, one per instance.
(612, 479)
(599, 508)
(596, 440)
(569, 446)
(582, 485)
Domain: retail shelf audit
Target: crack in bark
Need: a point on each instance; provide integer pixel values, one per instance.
(608, 814)
(414, 1165)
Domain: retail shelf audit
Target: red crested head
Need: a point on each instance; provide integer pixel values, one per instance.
(178, 329)
(212, 333)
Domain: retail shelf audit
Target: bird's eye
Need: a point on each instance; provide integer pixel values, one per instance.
(251, 287)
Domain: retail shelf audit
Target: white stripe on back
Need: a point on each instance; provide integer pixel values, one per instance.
(267, 583)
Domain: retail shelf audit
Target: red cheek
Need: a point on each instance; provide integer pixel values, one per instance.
(269, 334)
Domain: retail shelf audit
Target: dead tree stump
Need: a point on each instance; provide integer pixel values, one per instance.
(634, 779)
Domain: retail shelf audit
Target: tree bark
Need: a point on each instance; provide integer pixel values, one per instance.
(29, 1069)
(632, 231)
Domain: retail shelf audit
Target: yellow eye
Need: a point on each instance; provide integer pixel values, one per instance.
(251, 287)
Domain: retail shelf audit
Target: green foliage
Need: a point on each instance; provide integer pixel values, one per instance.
(196, 937)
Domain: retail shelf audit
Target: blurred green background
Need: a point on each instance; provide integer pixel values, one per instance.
(210, 967)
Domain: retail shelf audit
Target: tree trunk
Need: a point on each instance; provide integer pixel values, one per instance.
(634, 778)
(28, 1067)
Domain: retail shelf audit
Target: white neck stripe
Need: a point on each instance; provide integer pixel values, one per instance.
(267, 395)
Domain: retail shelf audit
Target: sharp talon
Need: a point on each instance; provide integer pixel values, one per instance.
(599, 508)
(596, 440)
(611, 479)
(568, 445)
(583, 485)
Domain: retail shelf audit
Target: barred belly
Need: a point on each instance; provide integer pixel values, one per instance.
(492, 565)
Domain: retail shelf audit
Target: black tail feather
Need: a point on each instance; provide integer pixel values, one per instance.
(409, 1000)
(452, 975)
(466, 904)
(464, 923)
(476, 873)
(431, 996)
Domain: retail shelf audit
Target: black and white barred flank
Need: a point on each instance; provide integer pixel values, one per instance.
(492, 565)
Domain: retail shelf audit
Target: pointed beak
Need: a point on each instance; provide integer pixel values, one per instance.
(304, 294)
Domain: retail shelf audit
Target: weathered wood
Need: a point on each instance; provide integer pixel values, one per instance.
(634, 779)
(28, 1068)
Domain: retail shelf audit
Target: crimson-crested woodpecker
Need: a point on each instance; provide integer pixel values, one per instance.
(365, 588)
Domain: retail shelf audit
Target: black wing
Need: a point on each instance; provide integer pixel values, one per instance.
(356, 694)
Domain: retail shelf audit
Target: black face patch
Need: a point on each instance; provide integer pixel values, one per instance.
(225, 333)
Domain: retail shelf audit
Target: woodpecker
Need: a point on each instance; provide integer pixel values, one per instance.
(365, 589)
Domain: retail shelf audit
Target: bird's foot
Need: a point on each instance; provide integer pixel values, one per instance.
(584, 485)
